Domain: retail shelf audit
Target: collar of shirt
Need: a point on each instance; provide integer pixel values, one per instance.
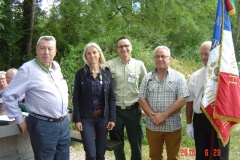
(87, 70)
(42, 66)
(123, 61)
(52, 67)
(154, 72)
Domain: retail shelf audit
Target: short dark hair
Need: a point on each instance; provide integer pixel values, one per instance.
(122, 38)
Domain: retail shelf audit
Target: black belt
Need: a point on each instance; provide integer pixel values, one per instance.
(129, 107)
(48, 119)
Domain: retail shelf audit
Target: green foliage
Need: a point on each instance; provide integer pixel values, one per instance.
(143, 53)
(75, 21)
(176, 24)
(186, 142)
(64, 23)
(2, 4)
(69, 65)
(10, 36)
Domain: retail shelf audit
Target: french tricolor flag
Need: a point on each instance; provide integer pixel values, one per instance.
(221, 98)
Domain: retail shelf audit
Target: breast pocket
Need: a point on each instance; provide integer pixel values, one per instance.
(153, 87)
(134, 75)
(85, 87)
(133, 78)
(170, 87)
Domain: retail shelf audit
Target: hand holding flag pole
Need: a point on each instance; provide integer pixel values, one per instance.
(221, 99)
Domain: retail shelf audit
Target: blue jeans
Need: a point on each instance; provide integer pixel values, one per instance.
(94, 136)
(50, 140)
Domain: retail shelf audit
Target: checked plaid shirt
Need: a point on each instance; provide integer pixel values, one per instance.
(161, 95)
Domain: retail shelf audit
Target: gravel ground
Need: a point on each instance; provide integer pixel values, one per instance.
(76, 154)
(80, 155)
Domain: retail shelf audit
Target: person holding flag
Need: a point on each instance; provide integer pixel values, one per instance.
(207, 142)
(218, 95)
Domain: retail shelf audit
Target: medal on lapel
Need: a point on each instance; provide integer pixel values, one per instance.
(100, 77)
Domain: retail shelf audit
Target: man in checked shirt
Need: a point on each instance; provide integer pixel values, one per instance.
(162, 94)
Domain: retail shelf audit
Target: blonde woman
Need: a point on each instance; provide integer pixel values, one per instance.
(94, 102)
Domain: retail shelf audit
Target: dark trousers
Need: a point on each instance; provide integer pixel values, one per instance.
(131, 118)
(94, 136)
(204, 135)
(50, 140)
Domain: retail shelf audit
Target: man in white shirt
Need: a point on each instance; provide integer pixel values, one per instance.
(46, 99)
(200, 129)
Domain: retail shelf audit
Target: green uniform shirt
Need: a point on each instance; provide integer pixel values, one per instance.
(126, 79)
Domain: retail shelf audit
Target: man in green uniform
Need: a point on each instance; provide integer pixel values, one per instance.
(127, 72)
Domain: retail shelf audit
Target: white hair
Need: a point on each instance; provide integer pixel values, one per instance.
(3, 73)
(14, 70)
(47, 38)
(163, 47)
(206, 43)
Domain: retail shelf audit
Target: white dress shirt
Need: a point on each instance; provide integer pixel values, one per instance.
(195, 86)
(46, 94)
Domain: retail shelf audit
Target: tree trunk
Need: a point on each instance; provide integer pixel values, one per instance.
(29, 7)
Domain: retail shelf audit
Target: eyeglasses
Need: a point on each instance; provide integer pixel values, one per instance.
(123, 46)
(9, 77)
(162, 57)
(2, 79)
